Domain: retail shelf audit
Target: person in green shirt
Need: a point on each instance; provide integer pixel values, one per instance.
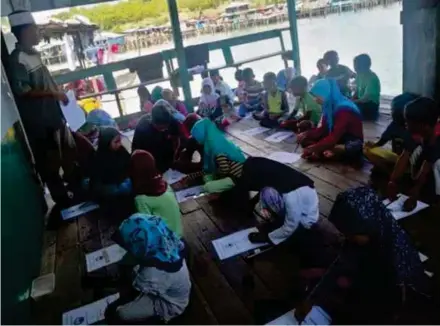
(307, 112)
(153, 196)
(367, 95)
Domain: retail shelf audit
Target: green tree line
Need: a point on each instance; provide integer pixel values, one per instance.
(141, 13)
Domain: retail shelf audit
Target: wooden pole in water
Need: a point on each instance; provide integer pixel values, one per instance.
(180, 50)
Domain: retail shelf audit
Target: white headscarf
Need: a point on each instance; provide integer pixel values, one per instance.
(289, 71)
(209, 99)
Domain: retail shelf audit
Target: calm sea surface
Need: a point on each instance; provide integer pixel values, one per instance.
(377, 32)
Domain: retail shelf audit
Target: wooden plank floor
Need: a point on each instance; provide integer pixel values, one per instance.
(224, 292)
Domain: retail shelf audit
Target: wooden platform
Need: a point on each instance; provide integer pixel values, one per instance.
(221, 292)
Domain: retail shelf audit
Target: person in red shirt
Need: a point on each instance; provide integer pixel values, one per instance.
(339, 134)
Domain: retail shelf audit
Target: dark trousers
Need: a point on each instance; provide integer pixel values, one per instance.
(55, 150)
(369, 110)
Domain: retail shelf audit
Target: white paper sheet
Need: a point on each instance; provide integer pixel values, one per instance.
(78, 210)
(129, 134)
(104, 257)
(89, 314)
(284, 157)
(396, 207)
(75, 117)
(188, 193)
(287, 319)
(317, 316)
(279, 136)
(173, 176)
(254, 131)
(235, 244)
(422, 257)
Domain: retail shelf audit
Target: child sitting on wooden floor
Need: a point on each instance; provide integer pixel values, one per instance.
(307, 112)
(385, 159)
(274, 103)
(421, 117)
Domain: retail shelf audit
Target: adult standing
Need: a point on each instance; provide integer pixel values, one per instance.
(38, 98)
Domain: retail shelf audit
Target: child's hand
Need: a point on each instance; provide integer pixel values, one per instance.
(300, 138)
(257, 237)
(392, 191)
(410, 204)
(369, 144)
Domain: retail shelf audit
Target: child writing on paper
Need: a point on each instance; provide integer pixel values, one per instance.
(378, 267)
(340, 134)
(152, 194)
(274, 103)
(287, 197)
(162, 283)
(396, 132)
(424, 160)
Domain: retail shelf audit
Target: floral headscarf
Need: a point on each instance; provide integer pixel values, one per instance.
(273, 201)
(148, 239)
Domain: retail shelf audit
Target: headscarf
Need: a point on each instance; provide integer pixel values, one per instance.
(398, 106)
(156, 94)
(214, 143)
(145, 177)
(361, 211)
(149, 240)
(168, 107)
(273, 201)
(100, 118)
(110, 167)
(333, 99)
(209, 99)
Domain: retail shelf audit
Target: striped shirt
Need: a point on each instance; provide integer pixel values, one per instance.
(227, 167)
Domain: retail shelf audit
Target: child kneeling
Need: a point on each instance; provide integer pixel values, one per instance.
(162, 281)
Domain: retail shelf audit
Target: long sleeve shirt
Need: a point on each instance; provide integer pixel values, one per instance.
(346, 123)
(302, 207)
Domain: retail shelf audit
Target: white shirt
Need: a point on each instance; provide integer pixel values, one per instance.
(302, 207)
(224, 89)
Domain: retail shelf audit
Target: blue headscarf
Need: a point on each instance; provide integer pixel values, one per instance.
(101, 118)
(149, 240)
(214, 143)
(334, 100)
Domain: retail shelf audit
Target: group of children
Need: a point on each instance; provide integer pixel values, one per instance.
(328, 125)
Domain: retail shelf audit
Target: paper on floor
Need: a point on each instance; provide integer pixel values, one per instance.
(422, 257)
(316, 316)
(104, 257)
(188, 193)
(89, 314)
(396, 207)
(78, 210)
(172, 176)
(284, 157)
(74, 115)
(235, 244)
(255, 131)
(287, 319)
(279, 136)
